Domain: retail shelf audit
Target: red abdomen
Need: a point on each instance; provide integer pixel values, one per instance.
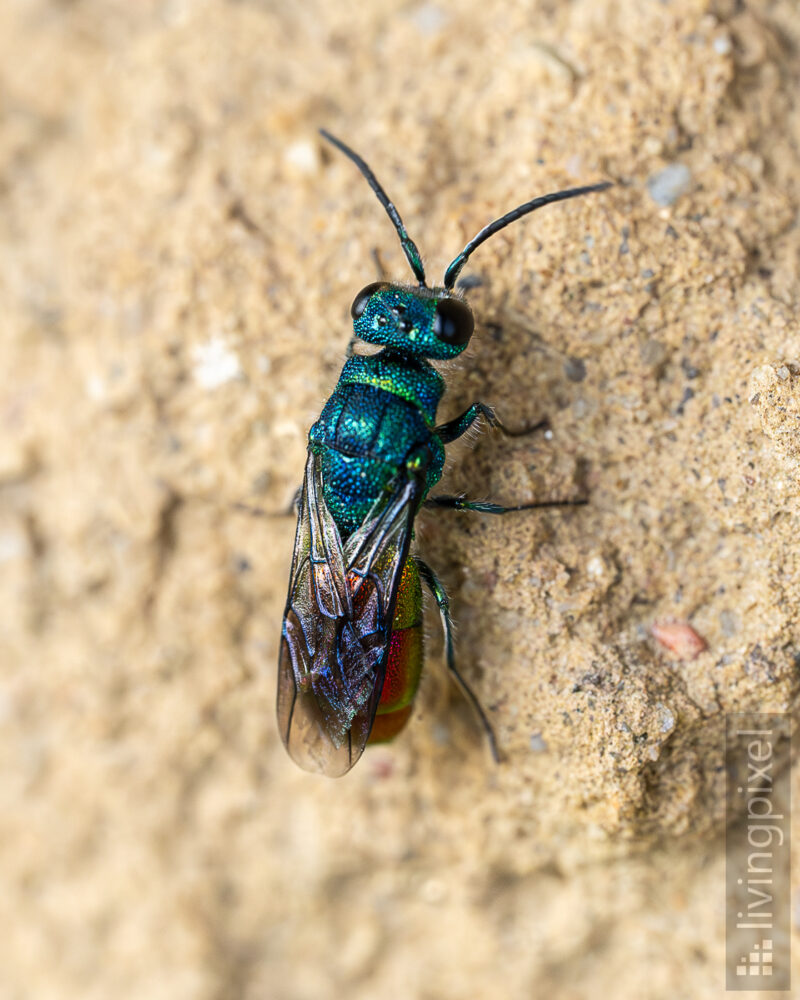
(404, 664)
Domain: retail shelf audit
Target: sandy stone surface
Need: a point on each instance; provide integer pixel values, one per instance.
(179, 253)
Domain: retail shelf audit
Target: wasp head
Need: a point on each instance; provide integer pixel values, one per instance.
(425, 322)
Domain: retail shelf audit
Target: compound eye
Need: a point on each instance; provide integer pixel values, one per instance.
(453, 323)
(363, 297)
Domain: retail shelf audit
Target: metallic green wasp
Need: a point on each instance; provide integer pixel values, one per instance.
(351, 645)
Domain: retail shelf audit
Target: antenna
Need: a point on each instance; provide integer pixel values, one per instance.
(454, 269)
(409, 246)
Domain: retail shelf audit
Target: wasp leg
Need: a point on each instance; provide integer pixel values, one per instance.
(442, 602)
(454, 428)
(486, 507)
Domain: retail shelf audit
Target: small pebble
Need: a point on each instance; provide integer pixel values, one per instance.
(95, 388)
(722, 45)
(429, 19)
(440, 733)
(303, 156)
(596, 566)
(214, 363)
(729, 620)
(666, 720)
(537, 742)
(679, 638)
(669, 184)
(575, 369)
(13, 545)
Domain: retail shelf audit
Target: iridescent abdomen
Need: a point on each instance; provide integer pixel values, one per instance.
(404, 663)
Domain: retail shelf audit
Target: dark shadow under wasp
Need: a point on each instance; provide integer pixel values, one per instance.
(351, 644)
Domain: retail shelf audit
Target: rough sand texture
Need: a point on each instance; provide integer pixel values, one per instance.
(179, 253)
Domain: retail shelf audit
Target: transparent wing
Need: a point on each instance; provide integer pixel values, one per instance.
(337, 624)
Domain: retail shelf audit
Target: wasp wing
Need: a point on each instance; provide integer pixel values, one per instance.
(337, 623)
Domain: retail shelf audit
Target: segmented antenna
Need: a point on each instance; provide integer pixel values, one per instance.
(454, 269)
(409, 246)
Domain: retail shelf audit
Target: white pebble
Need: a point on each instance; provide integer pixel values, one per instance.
(302, 156)
(722, 45)
(669, 184)
(215, 363)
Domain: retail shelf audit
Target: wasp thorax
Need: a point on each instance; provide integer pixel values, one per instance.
(424, 322)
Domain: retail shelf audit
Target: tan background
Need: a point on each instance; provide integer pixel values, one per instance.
(178, 254)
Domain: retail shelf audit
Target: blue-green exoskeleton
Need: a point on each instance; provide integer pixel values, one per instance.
(351, 643)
